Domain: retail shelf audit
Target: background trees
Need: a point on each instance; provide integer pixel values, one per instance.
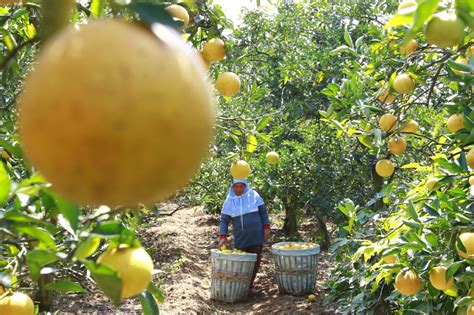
(317, 77)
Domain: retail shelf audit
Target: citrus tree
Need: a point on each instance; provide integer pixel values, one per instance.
(85, 150)
(408, 92)
(287, 81)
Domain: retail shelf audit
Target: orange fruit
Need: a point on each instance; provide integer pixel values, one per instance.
(470, 158)
(409, 47)
(240, 169)
(17, 304)
(410, 126)
(228, 84)
(384, 168)
(467, 239)
(455, 122)
(127, 135)
(438, 278)
(179, 12)
(272, 158)
(403, 83)
(385, 96)
(430, 183)
(214, 50)
(388, 122)
(390, 259)
(397, 145)
(444, 30)
(133, 265)
(408, 282)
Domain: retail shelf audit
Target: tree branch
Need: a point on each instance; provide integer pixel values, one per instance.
(13, 53)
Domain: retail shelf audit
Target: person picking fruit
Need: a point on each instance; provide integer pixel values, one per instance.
(248, 213)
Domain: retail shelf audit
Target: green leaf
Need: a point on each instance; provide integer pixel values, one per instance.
(149, 305)
(368, 253)
(97, 8)
(390, 251)
(38, 258)
(366, 141)
(425, 9)
(40, 234)
(458, 66)
(462, 218)
(373, 109)
(452, 291)
(338, 124)
(150, 13)
(35, 178)
(460, 246)
(65, 286)
(464, 10)
(18, 13)
(263, 123)
(157, 293)
(87, 247)
(413, 246)
(16, 216)
(251, 143)
(462, 161)
(393, 266)
(410, 165)
(432, 239)
(13, 149)
(452, 269)
(107, 279)
(448, 167)
(235, 138)
(264, 137)
(5, 184)
(464, 5)
(347, 37)
(346, 210)
(69, 210)
(412, 212)
(108, 228)
(464, 301)
(8, 39)
(30, 31)
(430, 210)
(342, 49)
(359, 41)
(399, 20)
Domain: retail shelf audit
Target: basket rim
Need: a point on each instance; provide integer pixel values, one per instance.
(316, 249)
(249, 257)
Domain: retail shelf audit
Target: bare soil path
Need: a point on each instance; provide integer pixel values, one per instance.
(180, 246)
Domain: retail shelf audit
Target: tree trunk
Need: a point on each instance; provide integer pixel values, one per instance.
(45, 297)
(324, 232)
(291, 223)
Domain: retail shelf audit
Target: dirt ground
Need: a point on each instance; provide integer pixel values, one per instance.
(180, 246)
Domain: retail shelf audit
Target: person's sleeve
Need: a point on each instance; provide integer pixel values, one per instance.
(224, 225)
(264, 215)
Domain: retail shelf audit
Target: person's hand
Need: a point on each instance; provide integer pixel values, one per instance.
(266, 234)
(222, 241)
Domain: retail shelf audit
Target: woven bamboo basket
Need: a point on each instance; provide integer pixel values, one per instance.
(231, 275)
(296, 269)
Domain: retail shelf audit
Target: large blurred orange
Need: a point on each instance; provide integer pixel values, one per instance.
(115, 114)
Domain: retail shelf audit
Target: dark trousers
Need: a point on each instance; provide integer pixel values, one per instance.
(256, 249)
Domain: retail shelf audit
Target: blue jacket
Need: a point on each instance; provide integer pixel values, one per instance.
(251, 232)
